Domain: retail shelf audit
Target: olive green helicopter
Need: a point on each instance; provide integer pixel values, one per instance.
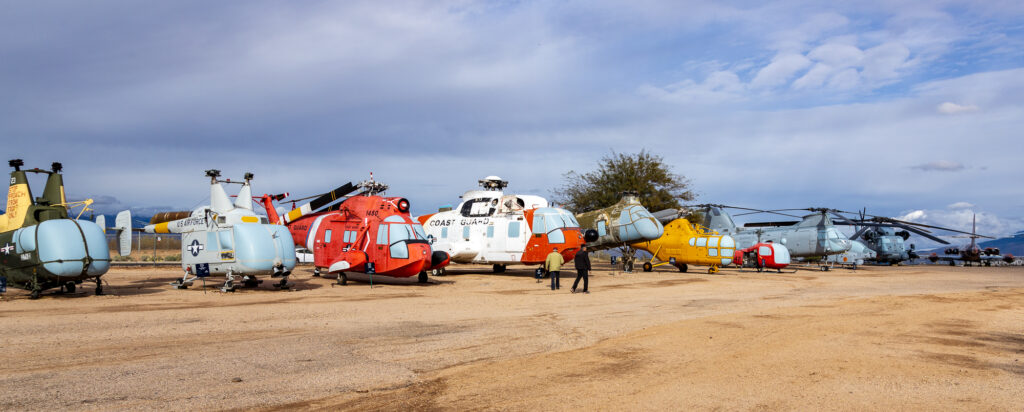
(41, 247)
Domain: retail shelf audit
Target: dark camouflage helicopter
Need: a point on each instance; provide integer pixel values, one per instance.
(41, 247)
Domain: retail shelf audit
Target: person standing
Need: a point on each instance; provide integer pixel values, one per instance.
(553, 264)
(582, 262)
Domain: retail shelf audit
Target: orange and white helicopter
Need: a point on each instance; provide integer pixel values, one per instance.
(492, 227)
(364, 233)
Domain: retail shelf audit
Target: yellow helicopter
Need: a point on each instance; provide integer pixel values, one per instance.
(685, 244)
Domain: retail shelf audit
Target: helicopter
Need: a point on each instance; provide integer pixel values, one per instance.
(858, 254)
(625, 222)
(887, 237)
(972, 252)
(228, 239)
(41, 247)
(813, 236)
(492, 227)
(364, 233)
(685, 244)
(765, 255)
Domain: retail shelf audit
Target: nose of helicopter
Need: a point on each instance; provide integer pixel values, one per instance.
(636, 225)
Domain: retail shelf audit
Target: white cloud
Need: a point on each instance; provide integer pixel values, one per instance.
(960, 205)
(782, 68)
(953, 108)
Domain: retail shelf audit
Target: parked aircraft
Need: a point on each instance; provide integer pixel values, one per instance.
(620, 224)
(856, 256)
(228, 239)
(364, 233)
(813, 236)
(887, 236)
(492, 227)
(685, 244)
(41, 247)
(767, 255)
(972, 252)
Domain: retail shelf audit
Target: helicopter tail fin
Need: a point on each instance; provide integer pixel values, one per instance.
(268, 204)
(19, 198)
(123, 225)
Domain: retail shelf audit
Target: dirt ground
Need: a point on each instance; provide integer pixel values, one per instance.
(912, 337)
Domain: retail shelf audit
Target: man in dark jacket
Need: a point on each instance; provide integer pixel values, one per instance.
(582, 262)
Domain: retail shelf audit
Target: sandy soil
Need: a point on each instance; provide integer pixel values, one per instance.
(914, 337)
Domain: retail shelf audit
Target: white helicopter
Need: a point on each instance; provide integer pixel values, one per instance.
(228, 239)
(491, 227)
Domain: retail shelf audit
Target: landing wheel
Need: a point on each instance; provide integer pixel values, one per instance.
(854, 266)
(439, 272)
(35, 294)
(824, 268)
(648, 267)
(99, 287)
(952, 263)
(712, 270)
(69, 287)
(988, 263)
(499, 268)
(683, 268)
(251, 282)
(342, 279)
(423, 277)
(316, 272)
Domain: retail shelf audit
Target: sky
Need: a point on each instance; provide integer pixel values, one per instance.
(909, 109)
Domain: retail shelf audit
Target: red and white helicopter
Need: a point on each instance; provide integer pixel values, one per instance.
(763, 255)
(492, 227)
(363, 233)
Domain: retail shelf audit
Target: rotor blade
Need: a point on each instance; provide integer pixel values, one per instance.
(766, 211)
(769, 224)
(666, 215)
(840, 217)
(910, 229)
(324, 200)
(919, 225)
(859, 232)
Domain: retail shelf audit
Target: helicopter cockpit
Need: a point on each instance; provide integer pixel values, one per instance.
(550, 221)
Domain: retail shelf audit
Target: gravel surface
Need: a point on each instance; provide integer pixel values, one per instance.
(921, 337)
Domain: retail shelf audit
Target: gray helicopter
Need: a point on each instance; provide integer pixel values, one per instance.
(887, 236)
(815, 235)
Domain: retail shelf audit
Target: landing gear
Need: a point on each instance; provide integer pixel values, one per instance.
(497, 269)
(316, 272)
(439, 272)
(283, 274)
(683, 268)
(250, 281)
(68, 287)
(35, 294)
(423, 275)
(342, 279)
(182, 283)
(229, 283)
(99, 286)
(952, 263)
(823, 268)
(712, 270)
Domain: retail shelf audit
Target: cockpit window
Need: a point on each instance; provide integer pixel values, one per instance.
(479, 207)
(546, 219)
(394, 219)
(400, 231)
(418, 228)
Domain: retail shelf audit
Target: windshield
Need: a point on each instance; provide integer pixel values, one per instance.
(546, 219)
(400, 231)
(418, 228)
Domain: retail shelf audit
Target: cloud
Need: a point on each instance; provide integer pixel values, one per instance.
(940, 166)
(960, 205)
(988, 224)
(780, 70)
(953, 108)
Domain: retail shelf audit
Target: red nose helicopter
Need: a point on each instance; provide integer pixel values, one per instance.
(363, 233)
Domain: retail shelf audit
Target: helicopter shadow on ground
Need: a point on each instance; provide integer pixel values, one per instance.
(511, 272)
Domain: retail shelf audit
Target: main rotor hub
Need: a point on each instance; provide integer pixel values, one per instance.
(493, 183)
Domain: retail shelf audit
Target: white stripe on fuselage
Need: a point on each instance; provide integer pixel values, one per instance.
(311, 236)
